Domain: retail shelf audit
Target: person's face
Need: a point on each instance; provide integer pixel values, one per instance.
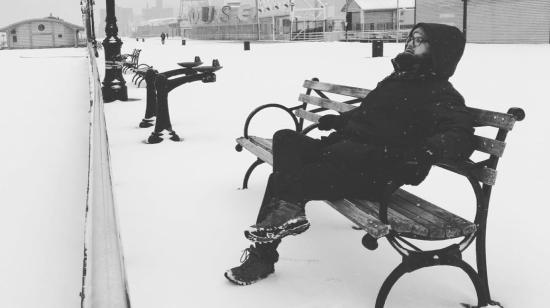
(418, 43)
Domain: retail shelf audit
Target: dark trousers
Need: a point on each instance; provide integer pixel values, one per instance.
(306, 169)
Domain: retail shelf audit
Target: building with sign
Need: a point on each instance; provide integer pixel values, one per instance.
(46, 32)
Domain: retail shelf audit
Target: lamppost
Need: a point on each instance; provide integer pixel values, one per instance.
(114, 85)
(348, 20)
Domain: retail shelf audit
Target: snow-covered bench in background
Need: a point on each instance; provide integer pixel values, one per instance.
(130, 61)
(403, 215)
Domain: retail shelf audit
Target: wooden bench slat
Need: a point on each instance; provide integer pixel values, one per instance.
(492, 118)
(399, 223)
(253, 146)
(436, 228)
(267, 144)
(482, 174)
(485, 175)
(336, 89)
(310, 116)
(481, 117)
(369, 223)
(452, 225)
(325, 103)
(489, 146)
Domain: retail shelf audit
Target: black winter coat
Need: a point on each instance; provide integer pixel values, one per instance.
(410, 114)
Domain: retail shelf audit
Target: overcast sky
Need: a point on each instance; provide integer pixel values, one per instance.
(16, 10)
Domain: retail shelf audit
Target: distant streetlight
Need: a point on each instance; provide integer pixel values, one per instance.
(114, 85)
(398, 26)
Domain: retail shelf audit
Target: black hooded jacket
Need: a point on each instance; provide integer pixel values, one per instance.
(412, 113)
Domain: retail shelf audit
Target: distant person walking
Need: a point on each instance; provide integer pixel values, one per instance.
(162, 37)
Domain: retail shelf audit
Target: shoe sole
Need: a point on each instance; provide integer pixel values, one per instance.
(234, 280)
(285, 232)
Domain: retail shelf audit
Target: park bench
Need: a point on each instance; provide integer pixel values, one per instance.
(401, 215)
(130, 61)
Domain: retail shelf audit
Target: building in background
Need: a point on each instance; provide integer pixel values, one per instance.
(365, 15)
(503, 21)
(483, 21)
(296, 19)
(156, 12)
(157, 19)
(48, 32)
(126, 21)
(277, 19)
(155, 27)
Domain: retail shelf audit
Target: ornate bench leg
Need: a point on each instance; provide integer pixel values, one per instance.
(450, 256)
(481, 261)
(388, 284)
(249, 171)
(482, 297)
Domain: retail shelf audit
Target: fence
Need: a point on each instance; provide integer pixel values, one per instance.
(226, 32)
(284, 30)
(103, 277)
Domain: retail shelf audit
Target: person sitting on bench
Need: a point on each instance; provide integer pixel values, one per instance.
(413, 118)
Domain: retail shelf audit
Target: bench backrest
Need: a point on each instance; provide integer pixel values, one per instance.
(483, 171)
(135, 57)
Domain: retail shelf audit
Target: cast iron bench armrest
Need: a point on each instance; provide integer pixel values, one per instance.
(273, 105)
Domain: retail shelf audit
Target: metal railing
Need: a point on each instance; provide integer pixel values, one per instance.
(104, 281)
(378, 35)
(319, 30)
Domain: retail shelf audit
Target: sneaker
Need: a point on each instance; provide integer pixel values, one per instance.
(266, 236)
(255, 266)
(285, 219)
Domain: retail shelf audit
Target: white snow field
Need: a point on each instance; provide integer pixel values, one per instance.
(43, 176)
(182, 213)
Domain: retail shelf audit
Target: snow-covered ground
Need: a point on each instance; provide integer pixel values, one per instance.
(182, 213)
(179, 205)
(43, 176)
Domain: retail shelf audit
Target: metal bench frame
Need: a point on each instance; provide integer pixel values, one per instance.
(481, 175)
(130, 61)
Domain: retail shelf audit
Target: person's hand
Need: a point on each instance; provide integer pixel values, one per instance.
(330, 121)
